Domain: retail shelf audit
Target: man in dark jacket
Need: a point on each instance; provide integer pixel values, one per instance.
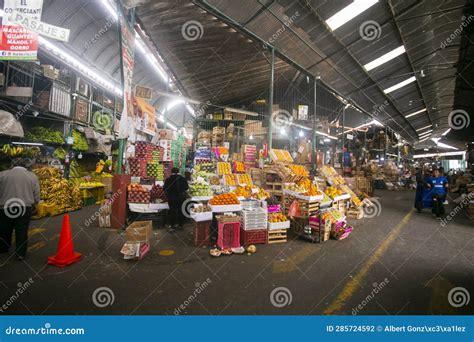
(175, 189)
(19, 194)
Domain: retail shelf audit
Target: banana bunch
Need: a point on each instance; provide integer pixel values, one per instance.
(54, 190)
(13, 151)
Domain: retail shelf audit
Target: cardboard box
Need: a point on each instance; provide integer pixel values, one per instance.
(139, 231)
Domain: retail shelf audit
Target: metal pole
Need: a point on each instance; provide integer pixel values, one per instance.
(342, 137)
(315, 139)
(270, 100)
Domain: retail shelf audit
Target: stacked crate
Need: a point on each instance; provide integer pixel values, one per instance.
(202, 233)
(144, 150)
(218, 135)
(249, 155)
(137, 167)
(307, 208)
(253, 226)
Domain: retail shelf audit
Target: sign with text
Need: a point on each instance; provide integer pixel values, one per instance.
(143, 92)
(17, 42)
(41, 28)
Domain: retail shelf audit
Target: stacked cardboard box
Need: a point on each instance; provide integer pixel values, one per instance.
(137, 240)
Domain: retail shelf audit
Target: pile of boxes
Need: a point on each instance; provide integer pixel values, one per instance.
(137, 240)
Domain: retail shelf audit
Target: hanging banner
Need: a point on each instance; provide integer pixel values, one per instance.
(47, 30)
(145, 116)
(127, 40)
(17, 42)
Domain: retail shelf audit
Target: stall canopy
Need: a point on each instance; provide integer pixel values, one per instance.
(9, 125)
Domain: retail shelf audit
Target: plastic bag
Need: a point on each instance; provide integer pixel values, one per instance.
(294, 209)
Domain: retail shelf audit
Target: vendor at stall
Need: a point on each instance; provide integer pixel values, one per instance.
(175, 188)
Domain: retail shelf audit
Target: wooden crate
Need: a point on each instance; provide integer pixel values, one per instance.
(298, 224)
(277, 236)
(307, 208)
(341, 205)
(355, 213)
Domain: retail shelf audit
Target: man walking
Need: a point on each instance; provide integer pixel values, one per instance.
(19, 193)
(175, 188)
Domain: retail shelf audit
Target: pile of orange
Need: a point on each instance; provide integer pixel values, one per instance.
(313, 191)
(224, 199)
(277, 217)
(299, 170)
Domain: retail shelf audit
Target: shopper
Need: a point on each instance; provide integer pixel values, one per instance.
(438, 185)
(19, 193)
(175, 188)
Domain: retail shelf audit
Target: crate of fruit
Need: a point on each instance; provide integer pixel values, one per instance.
(226, 202)
(278, 221)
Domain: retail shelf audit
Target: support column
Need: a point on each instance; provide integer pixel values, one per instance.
(315, 138)
(270, 100)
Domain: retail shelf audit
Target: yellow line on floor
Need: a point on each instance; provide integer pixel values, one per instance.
(36, 246)
(353, 285)
(294, 260)
(34, 231)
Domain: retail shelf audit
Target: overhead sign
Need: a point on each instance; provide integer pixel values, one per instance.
(143, 92)
(17, 42)
(349, 136)
(41, 28)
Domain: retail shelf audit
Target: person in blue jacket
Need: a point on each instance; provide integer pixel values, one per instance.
(438, 184)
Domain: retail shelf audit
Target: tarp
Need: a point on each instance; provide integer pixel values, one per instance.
(9, 125)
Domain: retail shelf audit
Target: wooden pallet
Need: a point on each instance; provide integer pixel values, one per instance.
(307, 208)
(276, 236)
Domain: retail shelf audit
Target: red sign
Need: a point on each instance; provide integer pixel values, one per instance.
(16, 42)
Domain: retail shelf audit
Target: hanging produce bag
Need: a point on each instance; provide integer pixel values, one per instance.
(295, 209)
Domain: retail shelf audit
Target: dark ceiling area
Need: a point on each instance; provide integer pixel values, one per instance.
(229, 61)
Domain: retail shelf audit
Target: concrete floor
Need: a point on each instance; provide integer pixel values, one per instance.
(410, 255)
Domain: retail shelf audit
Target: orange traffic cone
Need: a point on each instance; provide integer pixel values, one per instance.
(65, 255)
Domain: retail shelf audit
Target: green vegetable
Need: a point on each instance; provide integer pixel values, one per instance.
(80, 142)
(60, 153)
(44, 134)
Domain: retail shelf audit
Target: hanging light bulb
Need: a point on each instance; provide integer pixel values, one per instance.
(282, 131)
(301, 134)
(251, 137)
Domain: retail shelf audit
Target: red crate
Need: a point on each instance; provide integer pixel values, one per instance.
(253, 237)
(228, 235)
(202, 233)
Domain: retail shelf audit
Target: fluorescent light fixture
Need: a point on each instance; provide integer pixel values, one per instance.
(415, 113)
(422, 136)
(241, 111)
(173, 127)
(400, 85)
(282, 131)
(420, 129)
(110, 9)
(73, 62)
(442, 154)
(325, 135)
(446, 132)
(385, 58)
(1, 12)
(190, 110)
(26, 143)
(161, 118)
(174, 103)
(251, 137)
(443, 145)
(425, 133)
(349, 12)
(327, 140)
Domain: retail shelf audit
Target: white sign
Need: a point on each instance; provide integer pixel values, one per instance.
(303, 112)
(41, 28)
(350, 136)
